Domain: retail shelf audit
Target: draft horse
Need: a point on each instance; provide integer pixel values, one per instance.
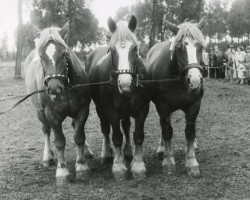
(179, 58)
(115, 103)
(54, 67)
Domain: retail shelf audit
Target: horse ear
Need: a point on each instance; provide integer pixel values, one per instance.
(64, 30)
(202, 22)
(132, 23)
(172, 27)
(111, 25)
(36, 31)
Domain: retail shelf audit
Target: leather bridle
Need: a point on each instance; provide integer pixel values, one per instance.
(64, 77)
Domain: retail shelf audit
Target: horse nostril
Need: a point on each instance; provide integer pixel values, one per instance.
(59, 90)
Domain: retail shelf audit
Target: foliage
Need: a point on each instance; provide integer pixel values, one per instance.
(83, 24)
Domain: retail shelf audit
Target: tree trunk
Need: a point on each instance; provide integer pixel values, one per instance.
(152, 32)
(19, 42)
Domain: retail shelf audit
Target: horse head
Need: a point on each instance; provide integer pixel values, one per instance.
(55, 59)
(187, 47)
(123, 47)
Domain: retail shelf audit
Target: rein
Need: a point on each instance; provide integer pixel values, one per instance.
(23, 99)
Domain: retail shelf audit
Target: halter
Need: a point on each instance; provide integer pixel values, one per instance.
(61, 76)
(183, 69)
(115, 72)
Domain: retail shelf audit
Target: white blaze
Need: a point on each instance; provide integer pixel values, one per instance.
(123, 64)
(191, 51)
(50, 52)
(193, 73)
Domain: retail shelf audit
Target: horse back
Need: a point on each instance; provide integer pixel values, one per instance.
(158, 59)
(94, 60)
(33, 76)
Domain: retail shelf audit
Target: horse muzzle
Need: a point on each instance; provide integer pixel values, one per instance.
(194, 80)
(55, 89)
(125, 83)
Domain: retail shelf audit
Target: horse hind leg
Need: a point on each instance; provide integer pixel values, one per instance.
(107, 152)
(48, 156)
(87, 149)
(128, 148)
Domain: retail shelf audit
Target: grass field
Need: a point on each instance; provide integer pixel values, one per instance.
(223, 133)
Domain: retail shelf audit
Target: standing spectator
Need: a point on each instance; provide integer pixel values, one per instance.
(219, 55)
(230, 67)
(212, 59)
(205, 62)
(247, 62)
(240, 65)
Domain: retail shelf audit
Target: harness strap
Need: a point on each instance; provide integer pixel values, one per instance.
(189, 66)
(23, 99)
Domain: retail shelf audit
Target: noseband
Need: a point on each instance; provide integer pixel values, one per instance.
(62, 76)
(116, 72)
(183, 69)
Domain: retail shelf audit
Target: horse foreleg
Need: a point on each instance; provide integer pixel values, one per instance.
(62, 172)
(128, 148)
(168, 163)
(48, 157)
(191, 165)
(118, 168)
(161, 148)
(88, 152)
(137, 166)
(81, 165)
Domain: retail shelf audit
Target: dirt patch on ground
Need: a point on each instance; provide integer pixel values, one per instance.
(223, 131)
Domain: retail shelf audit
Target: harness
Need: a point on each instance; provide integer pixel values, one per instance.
(116, 72)
(62, 76)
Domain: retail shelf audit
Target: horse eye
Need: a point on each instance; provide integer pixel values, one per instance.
(135, 48)
(186, 43)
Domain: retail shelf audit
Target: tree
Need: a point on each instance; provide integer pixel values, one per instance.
(18, 66)
(191, 9)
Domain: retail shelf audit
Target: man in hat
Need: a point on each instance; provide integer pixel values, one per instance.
(219, 58)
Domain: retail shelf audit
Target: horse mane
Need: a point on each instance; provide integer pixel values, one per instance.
(190, 30)
(121, 34)
(48, 34)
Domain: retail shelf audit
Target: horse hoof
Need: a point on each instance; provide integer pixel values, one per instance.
(193, 171)
(138, 170)
(82, 171)
(168, 169)
(82, 175)
(168, 166)
(48, 163)
(119, 175)
(62, 181)
(119, 171)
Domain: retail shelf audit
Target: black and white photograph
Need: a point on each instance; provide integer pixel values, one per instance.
(124, 99)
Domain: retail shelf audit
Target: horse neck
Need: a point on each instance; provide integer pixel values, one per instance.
(77, 73)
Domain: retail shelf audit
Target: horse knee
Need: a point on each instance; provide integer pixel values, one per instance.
(60, 142)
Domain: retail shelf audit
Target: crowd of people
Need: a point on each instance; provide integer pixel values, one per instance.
(233, 64)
